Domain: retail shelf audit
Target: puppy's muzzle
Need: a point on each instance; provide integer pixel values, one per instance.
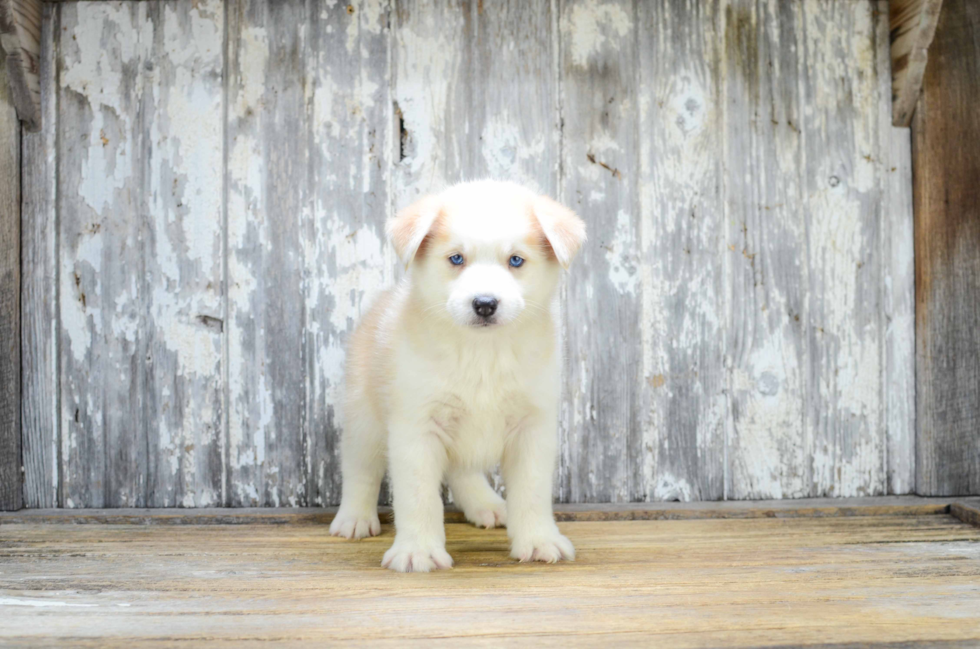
(485, 305)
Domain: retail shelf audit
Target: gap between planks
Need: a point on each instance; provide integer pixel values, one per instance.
(964, 509)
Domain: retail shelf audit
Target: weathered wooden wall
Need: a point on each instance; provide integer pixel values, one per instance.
(946, 129)
(11, 494)
(205, 224)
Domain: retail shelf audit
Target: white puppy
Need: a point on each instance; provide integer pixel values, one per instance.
(456, 370)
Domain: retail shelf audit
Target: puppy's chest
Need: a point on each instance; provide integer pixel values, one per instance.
(475, 428)
(475, 406)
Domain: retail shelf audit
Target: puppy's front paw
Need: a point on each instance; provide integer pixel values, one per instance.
(550, 547)
(355, 525)
(416, 557)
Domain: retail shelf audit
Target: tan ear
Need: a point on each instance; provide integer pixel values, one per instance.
(409, 228)
(564, 230)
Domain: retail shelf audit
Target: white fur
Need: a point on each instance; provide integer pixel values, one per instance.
(445, 395)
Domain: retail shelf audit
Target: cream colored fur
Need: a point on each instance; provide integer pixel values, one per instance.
(439, 393)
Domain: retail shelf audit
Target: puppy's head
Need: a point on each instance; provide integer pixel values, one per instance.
(483, 253)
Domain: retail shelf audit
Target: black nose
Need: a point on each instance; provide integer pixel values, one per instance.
(484, 305)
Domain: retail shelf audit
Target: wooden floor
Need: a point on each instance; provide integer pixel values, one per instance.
(905, 578)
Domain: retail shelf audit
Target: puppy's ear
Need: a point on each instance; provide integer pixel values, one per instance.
(409, 228)
(563, 229)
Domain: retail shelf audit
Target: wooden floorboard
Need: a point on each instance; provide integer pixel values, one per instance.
(841, 581)
(801, 508)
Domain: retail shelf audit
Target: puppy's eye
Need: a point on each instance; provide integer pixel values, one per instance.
(516, 261)
(456, 260)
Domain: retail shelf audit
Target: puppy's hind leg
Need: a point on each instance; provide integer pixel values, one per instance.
(362, 462)
(481, 505)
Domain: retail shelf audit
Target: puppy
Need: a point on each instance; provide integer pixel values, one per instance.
(456, 370)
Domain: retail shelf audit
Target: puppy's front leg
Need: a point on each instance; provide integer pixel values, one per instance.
(417, 463)
(528, 466)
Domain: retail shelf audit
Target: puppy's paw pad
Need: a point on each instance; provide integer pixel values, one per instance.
(405, 557)
(549, 548)
(355, 525)
(489, 517)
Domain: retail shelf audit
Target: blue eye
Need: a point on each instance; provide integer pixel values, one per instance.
(456, 260)
(516, 261)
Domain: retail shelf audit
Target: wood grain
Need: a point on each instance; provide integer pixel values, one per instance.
(268, 181)
(181, 236)
(101, 295)
(912, 24)
(308, 157)
(20, 38)
(947, 266)
(11, 477)
(770, 582)
(683, 404)
(841, 163)
(41, 419)
(765, 212)
(600, 142)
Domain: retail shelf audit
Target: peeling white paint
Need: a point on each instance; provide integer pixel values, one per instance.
(593, 24)
(97, 75)
(769, 422)
(507, 153)
(368, 16)
(422, 92)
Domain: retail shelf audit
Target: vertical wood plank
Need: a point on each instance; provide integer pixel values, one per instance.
(39, 346)
(476, 96)
(767, 232)
(101, 296)
(898, 271)
(269, 196)
(11, 480)
(425, 47)
(181, 209)
(602, 297)
(840, 135)
(342, 233)
(679, 451)
(946, 166)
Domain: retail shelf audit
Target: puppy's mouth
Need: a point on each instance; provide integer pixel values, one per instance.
(480, 323)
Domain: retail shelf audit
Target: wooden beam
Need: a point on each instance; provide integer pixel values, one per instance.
(11, 492)
(966, 512)
(913, 24)
(20, 38)
(946, 166)
(728, 509)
